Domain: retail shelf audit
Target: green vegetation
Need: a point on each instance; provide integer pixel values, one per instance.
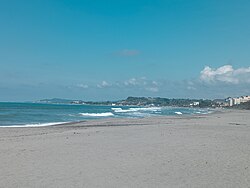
(146, 101)
(55, 101)
(242, 106)
(142, 101)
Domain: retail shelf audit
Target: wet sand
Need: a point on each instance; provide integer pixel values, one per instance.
(177, 151)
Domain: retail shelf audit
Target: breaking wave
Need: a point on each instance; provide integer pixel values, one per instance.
(104, 114)
(35, 125)
(120, 110)
(41, 115)
(179, 113)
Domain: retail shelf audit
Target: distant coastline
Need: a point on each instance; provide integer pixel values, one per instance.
(45, 114)
(144, 101)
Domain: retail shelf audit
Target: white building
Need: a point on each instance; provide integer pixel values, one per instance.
(195, 104)
(238, 100)
(231, 102)
(245, 98)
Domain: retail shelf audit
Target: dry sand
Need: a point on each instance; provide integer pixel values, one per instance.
(183, 151)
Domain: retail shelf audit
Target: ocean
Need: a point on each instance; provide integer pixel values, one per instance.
(37, 114)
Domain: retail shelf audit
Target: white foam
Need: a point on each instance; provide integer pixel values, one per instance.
(154, 109)
(97, 114)
(203, 112)
(120, 110)
(139, 114)
(179, 113)
(35, 125)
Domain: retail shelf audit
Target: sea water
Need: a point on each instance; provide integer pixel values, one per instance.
(37, 114)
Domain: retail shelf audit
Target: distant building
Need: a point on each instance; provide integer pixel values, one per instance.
(195, 104)
(231, 102)
(238, 100)
(245, 98)
(221, 102)
(77, 102)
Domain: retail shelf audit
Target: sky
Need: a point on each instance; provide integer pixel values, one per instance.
(109, 50)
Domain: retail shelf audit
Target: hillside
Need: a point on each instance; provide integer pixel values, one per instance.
(243, 106)
(139, 101)
(144, 101)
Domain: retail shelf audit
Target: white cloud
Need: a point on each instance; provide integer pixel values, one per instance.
(219, 82)
(104, 84)
(142, 83)
(136, 82)
(226, 74)
(131, 81)
(84, 86)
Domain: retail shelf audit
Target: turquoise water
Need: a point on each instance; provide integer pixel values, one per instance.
(32, 114)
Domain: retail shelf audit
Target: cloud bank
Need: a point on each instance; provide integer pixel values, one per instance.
(142, 83)
(225, 74)
(104, 84)
(221, 82)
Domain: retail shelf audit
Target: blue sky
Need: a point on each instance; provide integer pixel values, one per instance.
(107, 50)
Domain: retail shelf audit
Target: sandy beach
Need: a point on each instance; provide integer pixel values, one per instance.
(176, 151)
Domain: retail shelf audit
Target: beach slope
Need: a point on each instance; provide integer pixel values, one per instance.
(178, 151)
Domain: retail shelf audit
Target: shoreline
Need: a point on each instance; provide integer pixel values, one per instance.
(48, 124)
(180, 151)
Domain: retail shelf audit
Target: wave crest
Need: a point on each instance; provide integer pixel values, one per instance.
(104, 114)
(179, 113)
(120, 110)
(35, 125)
